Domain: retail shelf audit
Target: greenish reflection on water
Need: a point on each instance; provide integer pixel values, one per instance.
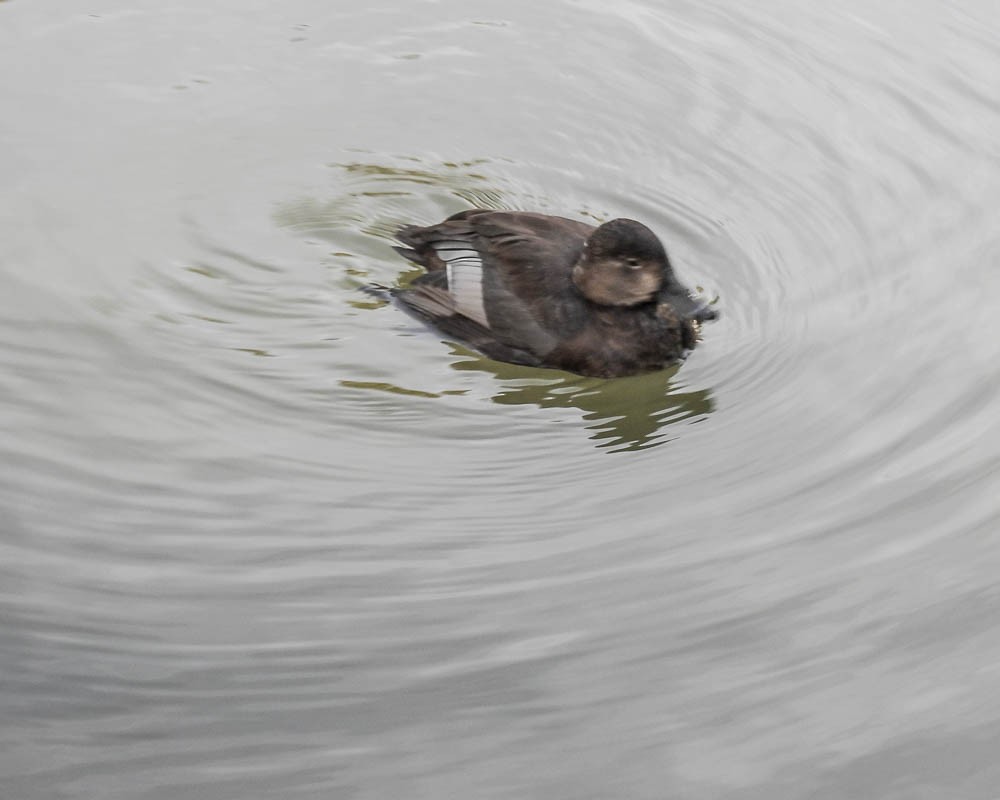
(625, 414)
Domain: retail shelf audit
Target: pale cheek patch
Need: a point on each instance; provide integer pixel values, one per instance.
(465, 279)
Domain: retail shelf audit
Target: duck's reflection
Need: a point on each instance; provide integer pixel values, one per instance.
(623, 414)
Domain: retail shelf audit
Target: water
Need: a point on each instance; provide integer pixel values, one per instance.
(263, 536)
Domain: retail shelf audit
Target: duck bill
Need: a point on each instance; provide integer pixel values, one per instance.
(705, 312)
(692, 309)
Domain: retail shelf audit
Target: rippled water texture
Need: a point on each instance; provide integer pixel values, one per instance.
(262, 535)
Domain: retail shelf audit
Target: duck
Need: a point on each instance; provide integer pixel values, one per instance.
(548, 291)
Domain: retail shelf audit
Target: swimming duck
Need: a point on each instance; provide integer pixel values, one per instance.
(548, 291)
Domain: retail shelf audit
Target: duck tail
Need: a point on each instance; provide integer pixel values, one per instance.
(409, 254)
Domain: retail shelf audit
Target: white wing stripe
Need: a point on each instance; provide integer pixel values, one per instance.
(465, 278)
(466, 285)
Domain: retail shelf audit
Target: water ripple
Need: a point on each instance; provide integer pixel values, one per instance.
(261, 533)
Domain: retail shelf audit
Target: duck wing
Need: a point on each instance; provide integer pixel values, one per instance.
(507, 273)
(429, 299)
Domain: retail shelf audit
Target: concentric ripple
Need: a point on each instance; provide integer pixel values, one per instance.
(264, 535)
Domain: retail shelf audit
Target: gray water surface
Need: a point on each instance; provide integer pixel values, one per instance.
(263, 536)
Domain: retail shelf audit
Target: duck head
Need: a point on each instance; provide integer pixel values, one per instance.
(623, 263)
